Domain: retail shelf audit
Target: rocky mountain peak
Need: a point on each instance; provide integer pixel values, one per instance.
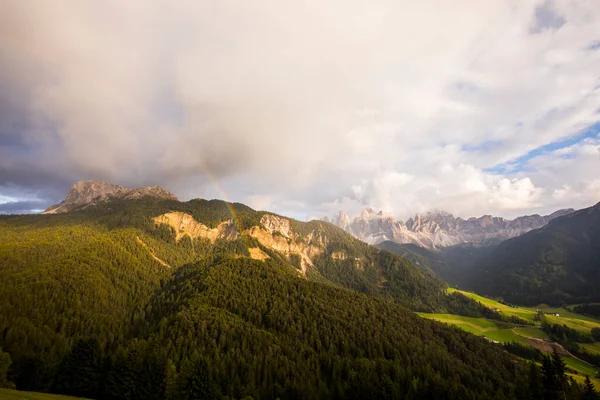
(86, 193)
(439, 228)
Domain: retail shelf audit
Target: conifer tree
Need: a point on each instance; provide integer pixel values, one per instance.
(589, 391)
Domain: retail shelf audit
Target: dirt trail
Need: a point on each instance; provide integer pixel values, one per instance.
(548, 346)
(144, 245)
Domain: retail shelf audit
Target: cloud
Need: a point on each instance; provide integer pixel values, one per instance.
(299, 106)
(21, 207)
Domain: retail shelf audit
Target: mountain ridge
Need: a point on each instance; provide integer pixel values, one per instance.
(85, 193)
(439, 229)
(558, 263)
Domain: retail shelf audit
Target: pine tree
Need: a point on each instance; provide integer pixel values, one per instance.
(589, 392)
(559, 371)
(170, 383)
(80, 371)
(5, 362)
(534, 382)
(549, 381)
(196, 382)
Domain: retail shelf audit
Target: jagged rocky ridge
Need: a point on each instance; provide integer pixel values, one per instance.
(86, 193)
(439, 229)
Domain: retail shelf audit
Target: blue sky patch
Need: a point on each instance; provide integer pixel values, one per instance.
(520, 163)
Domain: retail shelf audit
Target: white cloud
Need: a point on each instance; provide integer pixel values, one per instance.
(306, 106)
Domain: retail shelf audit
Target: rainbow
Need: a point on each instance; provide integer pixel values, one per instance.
(234, 217)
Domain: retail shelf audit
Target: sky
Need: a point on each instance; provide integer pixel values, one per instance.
(305, 107)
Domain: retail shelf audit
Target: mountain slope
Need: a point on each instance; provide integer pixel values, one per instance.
(557, 263)
(453, 264)
(439, 229)
(150, 298)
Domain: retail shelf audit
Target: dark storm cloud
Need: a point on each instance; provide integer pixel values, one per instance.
(22, 207)
(293, 105)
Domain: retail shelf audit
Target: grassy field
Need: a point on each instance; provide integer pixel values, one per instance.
(580, 366)
(480, 327)
(502, 332)
(593, 348)
(567, 317)
(7, 394)
(532, 333)
(521, 312)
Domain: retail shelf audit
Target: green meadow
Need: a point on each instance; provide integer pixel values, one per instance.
(566, 317)
(527, 335)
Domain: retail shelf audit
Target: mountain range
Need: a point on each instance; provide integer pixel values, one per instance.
(434, 230)
(119, 293)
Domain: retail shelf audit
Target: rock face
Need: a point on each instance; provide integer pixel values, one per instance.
(274, 233)
(86, 193)
(439, 229)
(185, 224)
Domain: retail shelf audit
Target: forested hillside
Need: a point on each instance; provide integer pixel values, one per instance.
(557, 264)
(454, 264)
(108, 303)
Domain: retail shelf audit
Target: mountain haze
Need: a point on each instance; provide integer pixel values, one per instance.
(439, 229)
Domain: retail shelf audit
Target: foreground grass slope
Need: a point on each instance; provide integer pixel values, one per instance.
(8, 394)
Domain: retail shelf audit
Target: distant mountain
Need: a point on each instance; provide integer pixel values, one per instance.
(86, 193)
(558, 263)
(439, 229)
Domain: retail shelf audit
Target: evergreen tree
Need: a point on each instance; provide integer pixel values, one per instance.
(5, 363)
(534, 382)
(559, 371)
(589, 391)
(196, 383)
(551, 386)
(80, 372)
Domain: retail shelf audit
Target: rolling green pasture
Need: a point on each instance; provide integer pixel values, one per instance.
(480, 327)
(521, 312)
(566, 317)
(504, 333)
(532, 332)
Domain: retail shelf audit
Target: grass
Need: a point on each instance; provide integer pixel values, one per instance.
(582, 323)
(593, 348)
(8, 394)
(506, 336)
(525, 335)
(580, 366)
(581, 378)
(521, 312)
(532, 333)
(479, 327)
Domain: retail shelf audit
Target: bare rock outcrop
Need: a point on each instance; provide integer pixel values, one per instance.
(185, 224)
(87, 193)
